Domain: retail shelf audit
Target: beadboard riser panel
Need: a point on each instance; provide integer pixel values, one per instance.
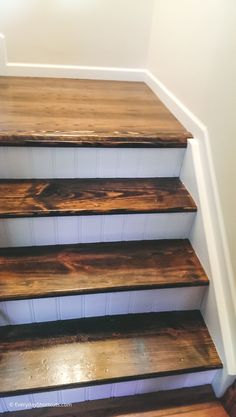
(96, 305)
(33, 162)
(75, 395)
(91, 229)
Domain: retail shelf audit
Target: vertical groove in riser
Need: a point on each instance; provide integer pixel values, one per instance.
(33, 162)
(76, 395)
(89, 229)
(96, 305)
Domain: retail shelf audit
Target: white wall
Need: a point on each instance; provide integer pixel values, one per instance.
(77, 32)
(193, 52)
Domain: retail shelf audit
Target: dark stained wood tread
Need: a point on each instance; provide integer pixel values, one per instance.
(229, 400)
(189, 402)
(47, 356)
(61, 197)
(45, 271)
(65, 112)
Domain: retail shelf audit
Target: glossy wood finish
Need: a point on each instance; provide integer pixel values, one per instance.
(58, 197)
(189, 402)
(65, 112)
(92, 268)
(98, 350)
(229, 400)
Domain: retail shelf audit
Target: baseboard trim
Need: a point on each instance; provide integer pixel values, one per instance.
(218, 251)
(217, 246)
(21, 69)
(73, 71)
(181, 112)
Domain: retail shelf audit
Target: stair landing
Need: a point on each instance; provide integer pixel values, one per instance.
(66, 112)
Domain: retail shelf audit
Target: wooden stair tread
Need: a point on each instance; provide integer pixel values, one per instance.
(66, 112)
(45, 271)
(58, 197)
(190, 402)
(47, 356)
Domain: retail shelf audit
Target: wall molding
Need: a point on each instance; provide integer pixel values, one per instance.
(21, 69)
(73, 71)
(218, 252)
(217, 246)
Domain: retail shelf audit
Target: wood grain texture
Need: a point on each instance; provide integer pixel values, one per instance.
(39, 357)
(34, 272)
(65, 112)
(229, 400)
(58, 197)
(189, 402)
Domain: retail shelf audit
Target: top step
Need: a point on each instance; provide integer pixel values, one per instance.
(82, 113)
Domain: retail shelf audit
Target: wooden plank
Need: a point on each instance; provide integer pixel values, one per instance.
(58, 197)
(65, 112)
(229, 400)
(54, 355)
(34, 272)
(190, 402)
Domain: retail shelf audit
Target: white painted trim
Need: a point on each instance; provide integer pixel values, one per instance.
(201, 240)
(223, 280)
(218, 251)
(74, 71)
(38, 231)
(23, 69)
(45, 162)
(97, 305)
(181, 112)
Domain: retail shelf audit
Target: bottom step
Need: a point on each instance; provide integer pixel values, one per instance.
(191, 402)
(76, 353)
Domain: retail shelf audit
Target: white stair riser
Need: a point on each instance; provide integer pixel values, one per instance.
(16, 162)
(76, 395)
(89, 229)
(96, 305)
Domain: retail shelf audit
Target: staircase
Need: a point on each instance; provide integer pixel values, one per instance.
(101, 290)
